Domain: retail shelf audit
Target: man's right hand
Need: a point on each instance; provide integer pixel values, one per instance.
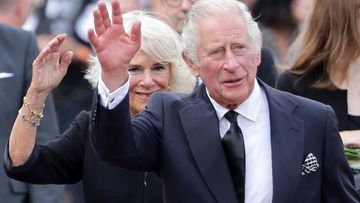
(113, 46)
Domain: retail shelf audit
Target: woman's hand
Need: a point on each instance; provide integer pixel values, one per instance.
(113, 46)
(49, 68)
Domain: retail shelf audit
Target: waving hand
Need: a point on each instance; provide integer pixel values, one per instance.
(113, 46)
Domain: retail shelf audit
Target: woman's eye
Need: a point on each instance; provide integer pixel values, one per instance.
(134, 70)
(158, 68)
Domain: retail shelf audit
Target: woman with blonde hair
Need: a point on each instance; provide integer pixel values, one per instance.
(157, 66)
(327, 63)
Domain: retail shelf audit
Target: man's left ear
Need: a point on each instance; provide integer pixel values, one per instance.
(258, 58)
(258, 55)
(191, 65)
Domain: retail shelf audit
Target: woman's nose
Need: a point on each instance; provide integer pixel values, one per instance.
(147, 79)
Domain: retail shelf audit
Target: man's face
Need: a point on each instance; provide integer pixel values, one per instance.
(174, 10)
(227, 59)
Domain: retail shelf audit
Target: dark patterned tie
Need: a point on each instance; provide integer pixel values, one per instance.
(233, 143)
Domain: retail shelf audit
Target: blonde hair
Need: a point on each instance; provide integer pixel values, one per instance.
(330, 38)
(158, 41)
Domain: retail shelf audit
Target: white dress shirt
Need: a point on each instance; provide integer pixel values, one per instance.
(254, 121)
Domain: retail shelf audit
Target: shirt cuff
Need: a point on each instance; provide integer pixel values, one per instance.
(111, 100)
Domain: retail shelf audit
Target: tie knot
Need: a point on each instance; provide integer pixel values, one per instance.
(231, 116)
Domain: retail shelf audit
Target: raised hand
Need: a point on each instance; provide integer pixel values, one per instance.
(49, 67)
(113, 46)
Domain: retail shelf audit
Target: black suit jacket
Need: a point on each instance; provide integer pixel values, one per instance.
(70, 158)
(177, 136)
(18, 49)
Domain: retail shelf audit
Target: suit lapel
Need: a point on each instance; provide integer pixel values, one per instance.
(287, 143)
(205, 144)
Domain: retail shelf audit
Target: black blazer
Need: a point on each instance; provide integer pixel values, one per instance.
(177, 135)
(70, 158)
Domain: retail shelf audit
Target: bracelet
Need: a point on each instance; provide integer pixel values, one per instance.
(35, 114)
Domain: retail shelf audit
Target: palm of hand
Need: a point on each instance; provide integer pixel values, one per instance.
(115, 48)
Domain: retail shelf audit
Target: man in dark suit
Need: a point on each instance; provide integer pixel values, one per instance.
(18, 49)
(286, 152)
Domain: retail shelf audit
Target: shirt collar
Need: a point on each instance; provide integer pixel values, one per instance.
(249, 108)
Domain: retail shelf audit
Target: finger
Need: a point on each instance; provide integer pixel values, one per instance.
(98, 23)
(136, 32)
(42, 55)
(48, 48)
(56, 46)
(116, 13)
(104, 14)
(65, 62)
(92, 38)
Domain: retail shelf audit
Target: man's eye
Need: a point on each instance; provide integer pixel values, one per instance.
(218, 53)
(238, 49)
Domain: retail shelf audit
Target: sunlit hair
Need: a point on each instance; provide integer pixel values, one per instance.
(161, 43)
(204, 9)
(330, 38)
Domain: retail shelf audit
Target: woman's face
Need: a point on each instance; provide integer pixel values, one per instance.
(146, 77)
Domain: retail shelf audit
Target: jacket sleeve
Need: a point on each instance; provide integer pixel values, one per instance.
(338, 180)
(128, 142)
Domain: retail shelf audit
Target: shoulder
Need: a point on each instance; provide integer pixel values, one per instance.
(297, 104)
(287, 82)
(83, 118)
(7, 31)
(13, 39)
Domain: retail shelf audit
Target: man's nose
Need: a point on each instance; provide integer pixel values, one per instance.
(230, 61)
(186, 5)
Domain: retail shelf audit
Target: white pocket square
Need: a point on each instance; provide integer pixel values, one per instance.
(6, 75)
(310, 164)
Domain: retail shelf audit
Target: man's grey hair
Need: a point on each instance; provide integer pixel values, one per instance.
(161, 43)
(203, 9)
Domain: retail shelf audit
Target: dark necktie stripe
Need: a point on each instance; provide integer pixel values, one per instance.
(233, 144)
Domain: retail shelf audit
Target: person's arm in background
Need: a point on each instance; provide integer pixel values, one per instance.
(47, 74)
(352, 136)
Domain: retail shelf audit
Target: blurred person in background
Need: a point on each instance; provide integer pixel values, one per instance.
(327, 64)
(172, 11)
(158, 66)
(18, 49)
(280, 21)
